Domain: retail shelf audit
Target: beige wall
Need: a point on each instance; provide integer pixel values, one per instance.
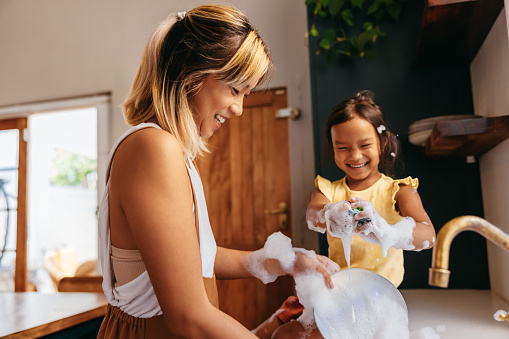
(55, 49)
(490, 87)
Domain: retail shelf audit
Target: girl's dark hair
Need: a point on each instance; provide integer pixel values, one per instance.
(364, 106)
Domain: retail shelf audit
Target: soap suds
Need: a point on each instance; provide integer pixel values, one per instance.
(342, 223)
(362, 304)
(278, 247)
(427, 333)
(368, 306)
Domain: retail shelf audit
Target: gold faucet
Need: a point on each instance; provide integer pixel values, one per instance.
(439, 272)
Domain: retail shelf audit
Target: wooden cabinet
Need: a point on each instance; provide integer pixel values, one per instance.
(452, 31)
(467, 137)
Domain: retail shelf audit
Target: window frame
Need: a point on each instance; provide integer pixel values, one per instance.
(17, 117)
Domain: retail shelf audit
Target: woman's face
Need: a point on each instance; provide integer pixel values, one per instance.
(357, 151)
(217, 102)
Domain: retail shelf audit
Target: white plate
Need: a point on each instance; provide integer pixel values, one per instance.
(362, 304)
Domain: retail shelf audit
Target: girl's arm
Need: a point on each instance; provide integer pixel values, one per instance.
(408, 202)
(317, 203)
(151, 185)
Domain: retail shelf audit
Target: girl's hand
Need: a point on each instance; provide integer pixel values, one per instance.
(379, 232)
(338, 219)
(375, 227)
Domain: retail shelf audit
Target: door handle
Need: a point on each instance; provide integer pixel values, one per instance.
(283, 215)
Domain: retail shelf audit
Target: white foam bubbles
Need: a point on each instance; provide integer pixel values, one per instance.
(425, 333)
(279, 247)
(367, 307)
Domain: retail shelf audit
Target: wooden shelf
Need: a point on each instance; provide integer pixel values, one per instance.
(452, 31)
(466, 137)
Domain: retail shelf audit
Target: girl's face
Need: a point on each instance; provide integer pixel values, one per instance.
(217, 102)
(357, 152)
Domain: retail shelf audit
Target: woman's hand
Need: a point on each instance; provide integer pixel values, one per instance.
(308, 263)
(305, 262)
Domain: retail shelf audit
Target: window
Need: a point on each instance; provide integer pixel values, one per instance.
(67, 148)
(12, 195)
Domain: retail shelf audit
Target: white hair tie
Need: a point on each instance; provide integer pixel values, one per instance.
(181, 15)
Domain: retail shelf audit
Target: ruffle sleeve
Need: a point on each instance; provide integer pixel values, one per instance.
(414, 182)
(325, 186)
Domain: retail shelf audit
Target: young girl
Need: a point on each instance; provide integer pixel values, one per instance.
(369, 217)
(391, 217)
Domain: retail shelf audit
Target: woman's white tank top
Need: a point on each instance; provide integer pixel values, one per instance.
(137, 297)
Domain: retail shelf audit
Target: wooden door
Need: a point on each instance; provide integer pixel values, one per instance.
(247, 173)
(19, 171)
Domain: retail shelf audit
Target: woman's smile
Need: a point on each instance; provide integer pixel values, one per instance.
(216, 102)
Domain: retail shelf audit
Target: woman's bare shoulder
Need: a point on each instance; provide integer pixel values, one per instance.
(148, 155)
(148, 141)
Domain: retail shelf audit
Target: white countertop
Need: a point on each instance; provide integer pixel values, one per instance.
(465, 314)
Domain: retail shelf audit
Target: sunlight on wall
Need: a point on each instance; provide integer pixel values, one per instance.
(62, 200)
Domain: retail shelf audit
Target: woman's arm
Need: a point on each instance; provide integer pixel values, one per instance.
(231, 264)
(409, 204)
(151, 184)
(228, 264)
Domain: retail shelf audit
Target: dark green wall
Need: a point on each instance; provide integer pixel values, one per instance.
(449, 187)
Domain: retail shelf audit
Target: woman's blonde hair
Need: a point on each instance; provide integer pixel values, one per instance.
(186, 48)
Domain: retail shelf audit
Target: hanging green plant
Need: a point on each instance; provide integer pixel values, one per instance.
(352, 26)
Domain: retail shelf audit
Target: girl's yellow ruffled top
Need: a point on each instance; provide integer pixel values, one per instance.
(364, 254)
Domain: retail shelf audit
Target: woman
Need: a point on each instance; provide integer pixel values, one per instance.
(158, 253)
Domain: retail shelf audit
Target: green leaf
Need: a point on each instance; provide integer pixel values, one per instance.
(325, 3)
(354, 42)
(368, 26)
(308, 2)
(394, 10)
(330, 34)
(374, 7)
(357, 3)
(335, 7)
(345, 52)
(347, 17)
(325, 43)
(322, 13)
(379, 14)
(314, 31)
(373, 34)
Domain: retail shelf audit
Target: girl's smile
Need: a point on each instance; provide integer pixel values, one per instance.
(357, 152)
